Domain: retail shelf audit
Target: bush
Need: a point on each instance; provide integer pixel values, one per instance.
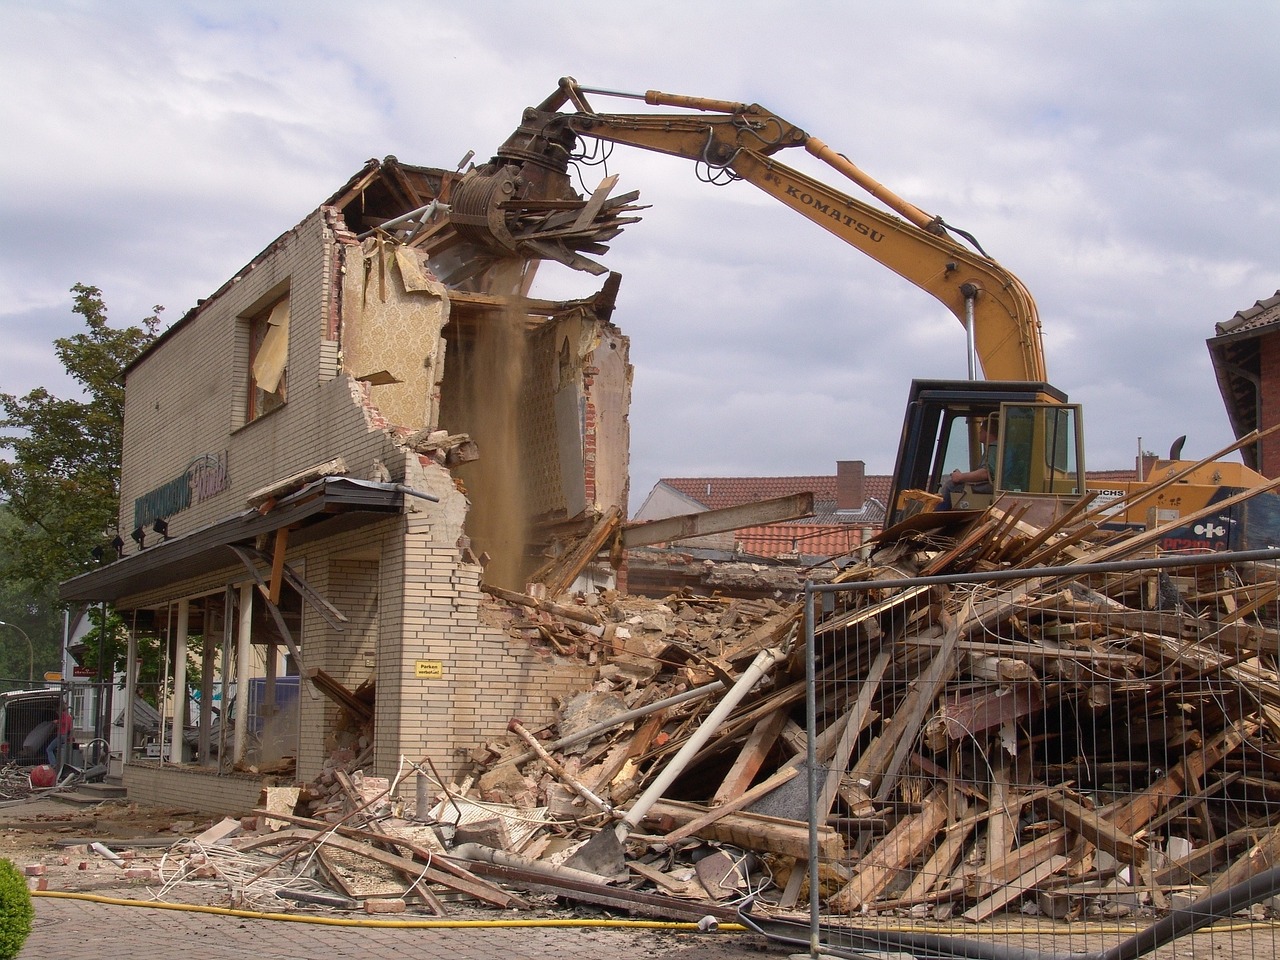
(16, 912)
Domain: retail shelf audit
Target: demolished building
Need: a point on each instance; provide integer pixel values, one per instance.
(323, 458)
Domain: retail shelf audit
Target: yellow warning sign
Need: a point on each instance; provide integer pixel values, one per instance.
(428, 669)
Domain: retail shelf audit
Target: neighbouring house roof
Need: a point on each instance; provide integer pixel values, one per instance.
(1237, 355)
(714, 493)
(806, 541)
(829, 532)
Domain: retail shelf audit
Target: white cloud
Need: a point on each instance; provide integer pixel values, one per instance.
(1119, 158)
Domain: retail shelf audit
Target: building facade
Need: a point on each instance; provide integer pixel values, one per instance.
(322, 463)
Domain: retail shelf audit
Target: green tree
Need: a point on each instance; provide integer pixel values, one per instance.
(60, 470)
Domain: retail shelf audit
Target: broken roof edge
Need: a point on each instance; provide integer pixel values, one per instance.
(334, 204)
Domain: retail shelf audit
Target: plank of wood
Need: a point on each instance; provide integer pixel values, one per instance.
(1018, 887)
(1133, 815)
(595, 203)
(752, 831)
(277, 563)
(563, 610)
(561, 574)
(336, 691)
(1263, 855)
(431, 873)
(1002, 812)
(858, 717)
(754, 752)
(902, 730)
(691, 827)
(895, 851)
(330, 468)
(994, 874)
(939, 866)
(1090, 825)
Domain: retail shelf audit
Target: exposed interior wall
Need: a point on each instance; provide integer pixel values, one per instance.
(394, 313)
(563, 443)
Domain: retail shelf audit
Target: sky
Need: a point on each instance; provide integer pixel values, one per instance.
(1121, 158)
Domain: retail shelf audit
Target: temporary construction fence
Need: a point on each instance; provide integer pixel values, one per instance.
(1046, 761)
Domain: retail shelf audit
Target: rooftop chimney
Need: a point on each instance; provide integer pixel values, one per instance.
(850, 480)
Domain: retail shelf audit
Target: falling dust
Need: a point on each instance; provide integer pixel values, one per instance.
(498, 521)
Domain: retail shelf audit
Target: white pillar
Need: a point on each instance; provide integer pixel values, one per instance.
(242, 671)
(178, 727)
(130, 691)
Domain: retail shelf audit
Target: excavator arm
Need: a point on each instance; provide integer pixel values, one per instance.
(742, 140)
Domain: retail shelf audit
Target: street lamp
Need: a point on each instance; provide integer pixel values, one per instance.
(31, 651)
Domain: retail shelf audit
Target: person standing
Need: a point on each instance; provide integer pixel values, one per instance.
(61, 736)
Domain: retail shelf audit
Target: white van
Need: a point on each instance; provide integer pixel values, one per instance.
(28, 721)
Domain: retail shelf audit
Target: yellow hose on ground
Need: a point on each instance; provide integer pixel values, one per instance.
(687, 927)
(411, 924)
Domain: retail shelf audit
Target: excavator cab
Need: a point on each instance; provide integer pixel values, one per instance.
(1038, 448)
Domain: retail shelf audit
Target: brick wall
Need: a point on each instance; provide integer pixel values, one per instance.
(1269, 370)
(189, 788)
(410, 600)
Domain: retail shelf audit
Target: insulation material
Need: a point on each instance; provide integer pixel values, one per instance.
(269, 364)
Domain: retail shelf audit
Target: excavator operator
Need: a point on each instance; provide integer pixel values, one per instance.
(982, 477)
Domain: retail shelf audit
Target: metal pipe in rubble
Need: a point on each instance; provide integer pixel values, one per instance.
(970, 292)
(479, 852)
(586, 733)
(761, 665)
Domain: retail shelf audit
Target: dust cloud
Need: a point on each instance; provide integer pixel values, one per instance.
(493, 396)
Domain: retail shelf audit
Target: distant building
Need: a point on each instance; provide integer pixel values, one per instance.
(1246, 360)
(848, 506)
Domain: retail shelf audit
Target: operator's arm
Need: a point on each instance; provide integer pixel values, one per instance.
(980, 475)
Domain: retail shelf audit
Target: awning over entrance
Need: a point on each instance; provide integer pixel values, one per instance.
(323, 508)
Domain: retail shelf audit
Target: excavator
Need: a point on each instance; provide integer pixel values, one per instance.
(1039, 457)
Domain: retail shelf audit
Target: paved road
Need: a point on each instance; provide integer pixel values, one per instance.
(71, 928)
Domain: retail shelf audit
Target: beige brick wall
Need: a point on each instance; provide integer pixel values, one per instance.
(399, 580)
(188, 396)
(188, 788)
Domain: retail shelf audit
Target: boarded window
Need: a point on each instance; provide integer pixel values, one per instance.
(268, 359)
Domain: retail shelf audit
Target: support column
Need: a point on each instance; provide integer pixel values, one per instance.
(242, 671)
(130, 691)
(178, 727)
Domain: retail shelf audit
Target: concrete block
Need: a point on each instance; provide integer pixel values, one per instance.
(384, 906)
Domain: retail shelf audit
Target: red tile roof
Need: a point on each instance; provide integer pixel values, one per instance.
(807, 540)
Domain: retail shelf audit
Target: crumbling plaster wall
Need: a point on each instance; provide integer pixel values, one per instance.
(394, 312)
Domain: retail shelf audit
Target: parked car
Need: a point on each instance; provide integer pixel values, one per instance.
(28, 721)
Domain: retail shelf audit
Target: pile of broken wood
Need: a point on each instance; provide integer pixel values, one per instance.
(1083, 743)
(1077, 744)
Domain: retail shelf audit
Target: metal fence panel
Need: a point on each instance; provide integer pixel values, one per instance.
(1050, 759)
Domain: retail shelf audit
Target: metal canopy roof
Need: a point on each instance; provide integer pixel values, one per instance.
(320, 509)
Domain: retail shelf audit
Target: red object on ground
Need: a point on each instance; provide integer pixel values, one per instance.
(43, 776)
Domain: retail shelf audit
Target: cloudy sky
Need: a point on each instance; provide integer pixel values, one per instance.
(1122, 158)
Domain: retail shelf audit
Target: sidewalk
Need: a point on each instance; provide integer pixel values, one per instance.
(67, 929)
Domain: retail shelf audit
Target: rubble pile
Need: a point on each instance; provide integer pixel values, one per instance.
(1083, 743)
(1076, 744)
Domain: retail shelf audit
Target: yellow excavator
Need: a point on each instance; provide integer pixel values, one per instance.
(1039, 455)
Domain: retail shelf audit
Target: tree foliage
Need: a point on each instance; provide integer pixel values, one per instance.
(61, 478)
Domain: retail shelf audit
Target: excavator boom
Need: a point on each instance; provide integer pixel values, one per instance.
(742, 140)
